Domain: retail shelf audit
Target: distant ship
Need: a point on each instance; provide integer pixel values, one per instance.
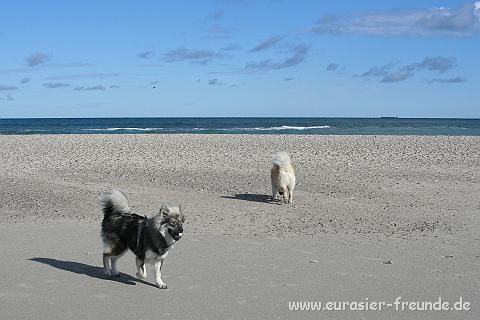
(394, 117)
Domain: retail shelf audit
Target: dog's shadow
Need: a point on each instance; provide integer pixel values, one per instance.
(252, 197)
(88, 270)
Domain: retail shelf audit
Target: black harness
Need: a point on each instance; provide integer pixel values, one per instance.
(141, 226)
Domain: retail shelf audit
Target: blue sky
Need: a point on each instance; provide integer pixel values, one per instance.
(239, 58)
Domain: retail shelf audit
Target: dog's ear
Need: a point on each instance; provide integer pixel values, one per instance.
(182, 215)
(164, 210)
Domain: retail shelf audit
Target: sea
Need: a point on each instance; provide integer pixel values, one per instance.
(304, 126)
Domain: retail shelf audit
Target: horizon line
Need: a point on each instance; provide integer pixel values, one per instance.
(244, 117)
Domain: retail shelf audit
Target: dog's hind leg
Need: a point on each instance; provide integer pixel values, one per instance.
(106, 264)
(158, 274)
(274, 192)
(114, 267)
(111, 253)
(286, 197)
(114, 260)
(141, 270)
(290, 195)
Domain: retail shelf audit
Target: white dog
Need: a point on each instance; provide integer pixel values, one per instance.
(283, 177)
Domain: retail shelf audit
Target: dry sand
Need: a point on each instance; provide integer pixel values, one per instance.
(360, 201)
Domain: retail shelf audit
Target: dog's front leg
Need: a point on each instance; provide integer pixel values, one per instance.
(158, 274)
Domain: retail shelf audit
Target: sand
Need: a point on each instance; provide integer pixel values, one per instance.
(361, 202)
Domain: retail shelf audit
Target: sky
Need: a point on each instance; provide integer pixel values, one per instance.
(274, 58)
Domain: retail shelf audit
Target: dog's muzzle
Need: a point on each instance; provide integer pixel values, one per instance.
(175, 235)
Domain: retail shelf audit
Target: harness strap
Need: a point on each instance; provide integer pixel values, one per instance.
(141, 225)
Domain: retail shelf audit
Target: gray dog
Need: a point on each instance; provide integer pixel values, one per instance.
(149, 239)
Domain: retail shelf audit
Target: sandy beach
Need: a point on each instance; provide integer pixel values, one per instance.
(374, 217)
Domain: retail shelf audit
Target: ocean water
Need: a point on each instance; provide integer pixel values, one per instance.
(313, 126)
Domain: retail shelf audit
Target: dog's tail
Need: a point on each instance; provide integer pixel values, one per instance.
(281, 159)
(114, 202)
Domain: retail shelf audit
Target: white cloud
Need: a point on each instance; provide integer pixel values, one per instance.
(462, 21)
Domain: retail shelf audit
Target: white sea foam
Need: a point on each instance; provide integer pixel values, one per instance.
(293, 128)
(118, 129)
(278, 128)
(213, 129)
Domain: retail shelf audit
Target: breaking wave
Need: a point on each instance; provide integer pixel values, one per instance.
(292, 128)
(207, 129)
(277, 128)
(121, 129)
